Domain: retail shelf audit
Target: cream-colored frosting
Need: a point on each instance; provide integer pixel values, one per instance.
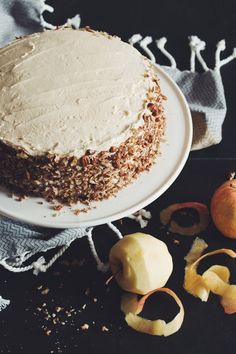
(66, 91)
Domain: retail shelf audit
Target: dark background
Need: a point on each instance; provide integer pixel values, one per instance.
(206, 328)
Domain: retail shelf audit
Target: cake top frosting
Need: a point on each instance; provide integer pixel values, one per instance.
(66, 91)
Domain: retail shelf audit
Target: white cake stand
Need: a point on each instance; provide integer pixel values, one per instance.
(148, 187)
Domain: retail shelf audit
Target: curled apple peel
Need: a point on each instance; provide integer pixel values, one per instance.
(214, 279)
(198, 246)
(228, 300)
(173, 226)
(217, 279)
(131, 307)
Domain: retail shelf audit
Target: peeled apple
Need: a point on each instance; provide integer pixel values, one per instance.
(140, 263)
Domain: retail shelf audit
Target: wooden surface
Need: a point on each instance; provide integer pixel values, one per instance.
(206, 328)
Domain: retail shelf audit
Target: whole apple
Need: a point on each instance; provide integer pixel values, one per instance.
(223, 208)
(140, 263)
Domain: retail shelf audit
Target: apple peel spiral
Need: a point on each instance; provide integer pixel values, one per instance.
(132, 307)
(215, 279)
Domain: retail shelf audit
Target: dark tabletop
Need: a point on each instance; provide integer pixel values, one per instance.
(73, 283)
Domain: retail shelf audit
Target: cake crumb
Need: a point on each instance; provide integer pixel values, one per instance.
(105, 329)
(177, 242)
(84, 306)
(87, 292)
(48, 332)
(58, 309)
(84, 327)
(45, 291)
(95, 299)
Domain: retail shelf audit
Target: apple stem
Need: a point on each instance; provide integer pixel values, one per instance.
(231, 175)
(112, 276)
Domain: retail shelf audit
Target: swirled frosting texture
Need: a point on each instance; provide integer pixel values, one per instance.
(67, 91)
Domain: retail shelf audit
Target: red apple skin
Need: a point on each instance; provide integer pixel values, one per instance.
(223, 208)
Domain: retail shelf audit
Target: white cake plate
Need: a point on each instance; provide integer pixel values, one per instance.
(148, 187)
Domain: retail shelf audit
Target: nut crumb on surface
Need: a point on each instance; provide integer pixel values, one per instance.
(81, 210)
(77, 212)
(58, 207)
(24, 197)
